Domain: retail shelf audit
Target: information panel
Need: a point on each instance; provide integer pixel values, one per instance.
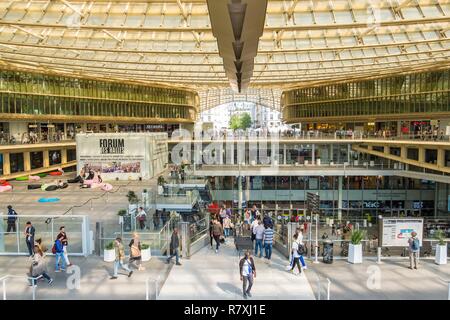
(397, 231)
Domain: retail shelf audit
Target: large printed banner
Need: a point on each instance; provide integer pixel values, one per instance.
(114, 156)
(397, 231)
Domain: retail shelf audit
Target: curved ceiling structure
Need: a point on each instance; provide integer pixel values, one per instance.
(303, 43)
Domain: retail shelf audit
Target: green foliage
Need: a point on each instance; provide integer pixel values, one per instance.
(440, 236)
(144, 191)
(243, 121)
(357, 236)
(132, 197)
(144, 246)
(122, 212)
(109, 246)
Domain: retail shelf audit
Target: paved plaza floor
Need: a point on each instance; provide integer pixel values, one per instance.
(211, 276)
(390, 280)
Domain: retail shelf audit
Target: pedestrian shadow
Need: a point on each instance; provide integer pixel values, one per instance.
(228, 288)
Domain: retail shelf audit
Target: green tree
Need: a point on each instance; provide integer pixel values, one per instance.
(246, 121)
(235, 122)
(242, 121)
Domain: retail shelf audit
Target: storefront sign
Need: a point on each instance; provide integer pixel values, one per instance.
(397, 231)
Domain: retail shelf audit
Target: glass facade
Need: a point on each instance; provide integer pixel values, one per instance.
(38, 94)
(426, 92)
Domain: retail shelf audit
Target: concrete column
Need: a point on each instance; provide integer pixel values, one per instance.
(399, 128)
(240, 196)
(284, 153)
(6, 164)
(421, 154)
(403, 152)
(247, 188)
(63, 156)
(313, 156)
(370, 147)
(26, 161)
(46, 158)
(340, 179)
(387, 150)
(440, 157)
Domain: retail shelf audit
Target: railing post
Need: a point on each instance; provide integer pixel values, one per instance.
(4, 288)
(34, 280)
(379, 255)
(328, 288)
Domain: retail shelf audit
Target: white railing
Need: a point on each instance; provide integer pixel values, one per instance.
(33, 284)
(155, 286)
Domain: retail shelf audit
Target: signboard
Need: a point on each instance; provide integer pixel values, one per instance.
(396, 231)
(122, 155)
(312, 202)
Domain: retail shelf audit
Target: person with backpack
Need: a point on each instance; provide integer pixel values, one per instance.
(63, 236)
(247, 271)
(29, 237)
(296, 254)
(12, 218)
(414, 249)
(58, 251)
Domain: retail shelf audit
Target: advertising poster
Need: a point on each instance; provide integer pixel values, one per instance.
(114, 156)
(397, 231)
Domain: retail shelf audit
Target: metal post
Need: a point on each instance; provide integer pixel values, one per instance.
(34, 288)
(4, 289)
(328, 288)
(316, 249)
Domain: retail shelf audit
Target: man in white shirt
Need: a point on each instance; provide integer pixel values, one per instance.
(296, 255)
(247, 270)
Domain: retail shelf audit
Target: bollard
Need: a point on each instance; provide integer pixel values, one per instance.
(379, 255)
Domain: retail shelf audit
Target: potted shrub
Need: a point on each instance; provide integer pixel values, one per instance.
(146, 253)
(161, 180)
(132, 197)
(109, 253)
(355, 247)
(441, 248)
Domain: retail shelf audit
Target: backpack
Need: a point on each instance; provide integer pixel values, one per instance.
(301, 249)
(415, 244)
(54, 248)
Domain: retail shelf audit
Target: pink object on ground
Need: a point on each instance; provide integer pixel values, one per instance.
(5, 188)
(106, 187)
(34, 178)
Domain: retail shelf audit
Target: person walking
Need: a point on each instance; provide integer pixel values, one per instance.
(174, 246)
(65, 243)
(59, 254)
(267, 221)
(38, 267)
(141, 217)
(211, 237)
(29, 237)
(258, 231)
(247, 271)
(156, 220)
(253, 225)
(414, 249)
(135, 251)
(226, 226)
(12, 218)
(217, 233)
(120, 256)
(296, 255)
(222, 214)
(268, 242)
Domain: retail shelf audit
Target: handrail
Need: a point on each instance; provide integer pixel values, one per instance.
(95, 198)
(34, 283)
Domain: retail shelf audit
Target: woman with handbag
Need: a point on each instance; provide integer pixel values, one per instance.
(217, 233)
(135, 251)
(38, 267)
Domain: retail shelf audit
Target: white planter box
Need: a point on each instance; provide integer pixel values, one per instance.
(146, 254)
(355, 253)
(441, 254)
(109, 255)
(318, 162)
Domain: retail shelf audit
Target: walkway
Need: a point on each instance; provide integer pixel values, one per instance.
(211, 276)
